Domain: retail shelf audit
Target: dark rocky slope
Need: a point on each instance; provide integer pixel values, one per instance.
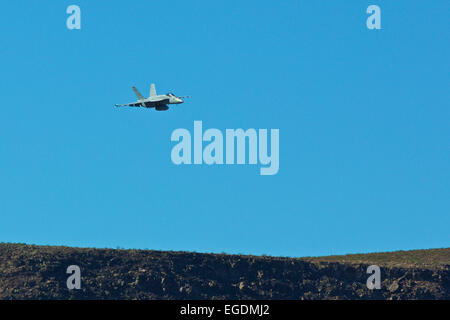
(39, 272)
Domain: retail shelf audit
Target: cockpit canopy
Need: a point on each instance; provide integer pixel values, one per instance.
(170, 94)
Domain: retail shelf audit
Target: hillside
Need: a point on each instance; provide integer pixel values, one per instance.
(39, 272)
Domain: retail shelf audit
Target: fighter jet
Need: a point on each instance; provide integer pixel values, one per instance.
(157, 101)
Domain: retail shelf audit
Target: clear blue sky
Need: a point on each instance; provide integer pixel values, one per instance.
(363, 118)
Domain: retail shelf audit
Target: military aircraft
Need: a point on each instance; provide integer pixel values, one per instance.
(157, 101)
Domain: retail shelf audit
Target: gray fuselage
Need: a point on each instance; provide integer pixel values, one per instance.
(160, 100)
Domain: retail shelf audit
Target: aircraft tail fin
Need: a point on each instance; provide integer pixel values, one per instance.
(152, 90)
(138, 94)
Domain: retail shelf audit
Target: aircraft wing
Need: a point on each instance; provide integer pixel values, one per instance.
(132, 104)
